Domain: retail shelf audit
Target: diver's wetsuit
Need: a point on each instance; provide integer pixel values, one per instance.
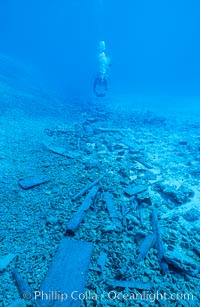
(100, 86)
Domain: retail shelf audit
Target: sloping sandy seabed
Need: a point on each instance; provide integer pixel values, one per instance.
(134, 143)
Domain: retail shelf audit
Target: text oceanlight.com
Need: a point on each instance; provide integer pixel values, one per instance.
(112, 295)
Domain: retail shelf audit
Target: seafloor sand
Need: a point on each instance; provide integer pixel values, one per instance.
(138, 145)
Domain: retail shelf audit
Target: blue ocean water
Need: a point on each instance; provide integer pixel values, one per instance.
(99, 152)
(154, 45)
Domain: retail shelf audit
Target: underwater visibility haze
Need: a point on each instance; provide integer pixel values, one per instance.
(100, 153)
(154, 46)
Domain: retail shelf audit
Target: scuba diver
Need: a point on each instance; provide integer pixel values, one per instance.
(100, 86)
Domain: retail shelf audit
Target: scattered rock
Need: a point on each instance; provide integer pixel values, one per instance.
(110, 227)
(134, 190)
(180, 261)
(92, 119)
(52, 220)
(144, 198)
(32, 182)
(178, 196)
(191, 215)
